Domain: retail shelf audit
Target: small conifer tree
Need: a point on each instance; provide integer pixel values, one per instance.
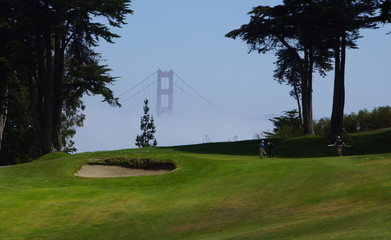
(147, 138)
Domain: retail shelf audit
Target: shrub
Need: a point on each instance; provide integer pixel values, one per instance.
(350, 123)
(288, 125)
(381, 117)
(364, 120)
(322, 127)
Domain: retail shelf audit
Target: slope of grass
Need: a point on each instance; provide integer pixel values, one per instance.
(302, 147)
(219, 191)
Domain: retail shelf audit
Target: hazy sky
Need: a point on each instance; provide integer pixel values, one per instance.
(188, 37)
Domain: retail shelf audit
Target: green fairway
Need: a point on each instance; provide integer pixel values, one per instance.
(218, 191)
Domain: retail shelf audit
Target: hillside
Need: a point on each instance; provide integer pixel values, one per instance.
(301, 147)
(219, 191)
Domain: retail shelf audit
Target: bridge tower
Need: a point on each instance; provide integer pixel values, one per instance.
(165, 92)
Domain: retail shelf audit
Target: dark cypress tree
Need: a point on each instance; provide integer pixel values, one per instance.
(147, 138)
(49, 48)
(291, 30)
(344, 21)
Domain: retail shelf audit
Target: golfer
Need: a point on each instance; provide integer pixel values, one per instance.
(339, 143)
(262, 151)
(271, 149)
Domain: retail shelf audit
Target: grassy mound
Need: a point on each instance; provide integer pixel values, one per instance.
(220, 191)
(300, 147)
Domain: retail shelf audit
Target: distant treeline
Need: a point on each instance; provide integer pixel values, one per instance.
(364, 120)
(290, 125)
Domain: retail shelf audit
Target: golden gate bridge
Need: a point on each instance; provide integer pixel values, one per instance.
(167, 92)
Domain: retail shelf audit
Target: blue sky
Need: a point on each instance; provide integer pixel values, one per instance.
(188, 37)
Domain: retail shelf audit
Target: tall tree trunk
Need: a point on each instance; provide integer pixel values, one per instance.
(309, 125)
(3, 114)
(305, 68)
(337, 114)
(57, 90)
(47, 112)
(44, 94)
(297, 97)
(47, 118)
(307, 93)
(50, 82)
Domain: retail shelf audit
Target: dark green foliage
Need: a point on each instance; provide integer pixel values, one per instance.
(307, 37)
(48, 58)
(20, 140)
(301, 147)
(350, 123)
(293, 30)
(345, 19)
(288, 125)
(72, 118)
(322, 127)
(137, 163)
(288, 73)
(380, 117)
(385, 15)
(147, 138)
(364, 120)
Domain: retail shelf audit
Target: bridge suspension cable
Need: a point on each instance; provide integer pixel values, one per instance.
(138, 84)
(133, 88)
(135, 94)
(188, 94)
(199, 95)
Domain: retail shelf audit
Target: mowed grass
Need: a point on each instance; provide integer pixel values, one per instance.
(219, 191)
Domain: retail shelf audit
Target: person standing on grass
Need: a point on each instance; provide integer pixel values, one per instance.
(262, 151)
(271, 149)
(339, 143)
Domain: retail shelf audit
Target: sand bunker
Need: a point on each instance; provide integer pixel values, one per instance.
(101, 171)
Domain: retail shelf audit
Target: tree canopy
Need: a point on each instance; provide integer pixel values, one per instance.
(48, 51)
(309, 36)
(291, 30)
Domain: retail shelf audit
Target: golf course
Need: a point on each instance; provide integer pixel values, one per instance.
(217, 191)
